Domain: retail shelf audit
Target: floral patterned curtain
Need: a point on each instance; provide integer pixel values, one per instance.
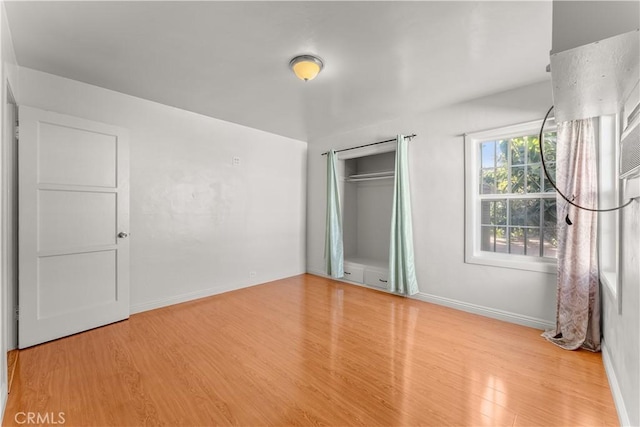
(578, 292)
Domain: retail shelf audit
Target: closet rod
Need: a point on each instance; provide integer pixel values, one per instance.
(373, 143)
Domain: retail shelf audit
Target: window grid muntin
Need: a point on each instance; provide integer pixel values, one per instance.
(542, 195)
(542, 226)
(550, 162)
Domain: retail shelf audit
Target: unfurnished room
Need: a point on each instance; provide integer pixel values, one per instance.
(320, 213)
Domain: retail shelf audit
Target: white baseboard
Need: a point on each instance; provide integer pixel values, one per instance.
(507, 316)
(203, 293)
(325, 275)
(190, 296)
(177, 299)
(317, 273)
(623, 415)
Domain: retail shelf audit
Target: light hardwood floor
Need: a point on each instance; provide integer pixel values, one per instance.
(12, 362)
(310, 351)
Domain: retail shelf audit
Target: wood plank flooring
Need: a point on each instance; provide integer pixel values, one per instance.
(310, 351)
(12, 362)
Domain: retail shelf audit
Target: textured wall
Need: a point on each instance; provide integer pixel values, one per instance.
(436, 162)
(622, 330)
(199, 224)
(8, 76)
(576, 23)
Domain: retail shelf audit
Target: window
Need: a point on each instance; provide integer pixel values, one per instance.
(511, 206)
(608, 196)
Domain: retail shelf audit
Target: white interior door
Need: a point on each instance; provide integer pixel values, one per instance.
(73, 220)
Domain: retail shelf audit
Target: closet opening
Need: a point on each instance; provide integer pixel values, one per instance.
(367, 207)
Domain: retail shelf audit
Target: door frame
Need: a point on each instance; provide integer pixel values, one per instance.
(8, 325)
(9, 222)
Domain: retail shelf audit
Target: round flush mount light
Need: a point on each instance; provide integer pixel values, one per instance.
(306, 67)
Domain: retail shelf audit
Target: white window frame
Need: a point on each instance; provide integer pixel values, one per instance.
(609, 195)
(473, 254)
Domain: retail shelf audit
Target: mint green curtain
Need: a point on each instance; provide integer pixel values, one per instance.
(402, 272)
(333, 248)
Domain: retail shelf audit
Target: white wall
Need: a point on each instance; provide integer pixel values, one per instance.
(199, 225)
(9, 186)
(436, 160)
(367, 209)
(576, 23)
(8, 77)
(621, 331)
(373, 222)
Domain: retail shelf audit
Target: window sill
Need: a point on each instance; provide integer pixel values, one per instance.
(517, 262)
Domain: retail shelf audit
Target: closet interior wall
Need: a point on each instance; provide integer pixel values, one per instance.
(367, 205)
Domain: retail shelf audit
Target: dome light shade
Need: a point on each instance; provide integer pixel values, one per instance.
(306, 67)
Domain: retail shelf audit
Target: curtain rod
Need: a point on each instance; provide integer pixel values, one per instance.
(373, 143)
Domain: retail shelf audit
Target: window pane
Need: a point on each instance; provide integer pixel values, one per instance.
(501, 239)
(493, 212)
(488, 154)
(517, 151)
(500, 212)
(533, 213)
(550, 213)
(486, 212)
(516, 243)
(502, 181)
(533, 147)
(526, 224)
(517, 179)
(533, 241)
(502, 147)
(517, 212)
(533, 179)
(550, 147)
(487, 181)
(550, 242)
(551, 168)
(487, 239)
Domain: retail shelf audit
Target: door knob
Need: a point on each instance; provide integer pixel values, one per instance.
(122, 235)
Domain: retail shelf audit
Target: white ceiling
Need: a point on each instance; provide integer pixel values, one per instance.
(229, 60)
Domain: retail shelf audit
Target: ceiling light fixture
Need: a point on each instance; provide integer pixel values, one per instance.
(306, 67)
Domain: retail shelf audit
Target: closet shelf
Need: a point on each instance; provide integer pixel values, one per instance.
(367, 262)
(370, 176)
